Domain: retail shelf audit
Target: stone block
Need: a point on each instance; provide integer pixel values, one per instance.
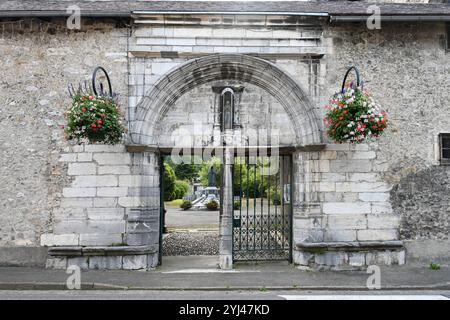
(346, 221)
(50, 240)
(105, 262)
(374, 196)
(95, 181)
(81, 262)
(333, 177)
(80, 169)
(112, 158)
(361, 155)
(104, 148)
(357, 259)
(56, 263)
(377, 235)
(89, 226)
(370, 187)
(385, 258)
(129, 202)
(79, 192)
(84, 157)
(382, 221)
(303, 258)
(327, 155)
(106, 213)
(350, 166)
(114, 169)
(381, 207)
(141, 239)
(68, 157)
(112, 191)
(308, 235)
(137, 180)
(346, 207)
(105, 202)
(343, 187)
(331, 258)
(334, 235)
(76, 202)
(152, 260)
(135, 262)
(90, 239)
(327, 186)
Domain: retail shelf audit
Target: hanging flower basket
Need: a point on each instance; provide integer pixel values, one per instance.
(353, 115)
(94, 117)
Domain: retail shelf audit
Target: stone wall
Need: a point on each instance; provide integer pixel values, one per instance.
(39, 59)
(405, 67)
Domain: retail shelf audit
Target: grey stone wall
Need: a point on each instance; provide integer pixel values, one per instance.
(405, 67)
(38, 61)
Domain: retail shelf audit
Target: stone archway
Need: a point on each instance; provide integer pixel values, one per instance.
(264, 74)
(163, 95)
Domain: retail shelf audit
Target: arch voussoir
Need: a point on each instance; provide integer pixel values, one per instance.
(264, 74)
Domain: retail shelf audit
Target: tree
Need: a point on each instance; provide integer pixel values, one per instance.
(169, 182)
(186, 171)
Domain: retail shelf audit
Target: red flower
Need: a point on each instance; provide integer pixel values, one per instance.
(102, 115)
(344, 112)
(374, 127)
(99, 126)
(84, 109)
(93, 125)
(99, 121)
(341, 118)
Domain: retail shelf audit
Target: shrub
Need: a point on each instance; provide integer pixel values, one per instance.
(169, 183)
(94, 119)
(186, 205)
(237, 205)
(212, 205)
(274, 195)
(181, 189)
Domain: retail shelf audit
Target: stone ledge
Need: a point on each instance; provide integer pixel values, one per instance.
(350, 246)
(77, 251)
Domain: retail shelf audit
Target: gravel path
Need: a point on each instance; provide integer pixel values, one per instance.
(191, 243)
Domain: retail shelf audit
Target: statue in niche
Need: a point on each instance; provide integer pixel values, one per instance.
(227, 108)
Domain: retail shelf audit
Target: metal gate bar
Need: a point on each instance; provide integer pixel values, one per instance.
(264, 231)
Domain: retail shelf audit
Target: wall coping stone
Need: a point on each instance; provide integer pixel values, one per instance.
(101, 251)
(350, 245)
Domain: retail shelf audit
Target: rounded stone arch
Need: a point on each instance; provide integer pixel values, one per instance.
(248, 69)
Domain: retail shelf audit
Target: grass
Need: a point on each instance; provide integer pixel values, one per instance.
(173, 204)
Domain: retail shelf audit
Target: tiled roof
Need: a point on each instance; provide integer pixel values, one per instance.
(24, 7)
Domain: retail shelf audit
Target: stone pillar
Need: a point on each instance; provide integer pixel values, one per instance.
(226, 213)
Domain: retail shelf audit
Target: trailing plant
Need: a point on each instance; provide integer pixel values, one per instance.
(94, 119)
(353, 116)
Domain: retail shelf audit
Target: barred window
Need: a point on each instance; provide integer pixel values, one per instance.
(444, 142)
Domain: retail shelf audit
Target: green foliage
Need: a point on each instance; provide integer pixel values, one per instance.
(274, 195)
(186, 205)
(181, 189)
(212, 205)
(169, 183)
(236, 205)
(435, 266)
(186, 171)
(94, 119)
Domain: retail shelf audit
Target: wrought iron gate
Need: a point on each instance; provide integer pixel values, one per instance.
(262, 188)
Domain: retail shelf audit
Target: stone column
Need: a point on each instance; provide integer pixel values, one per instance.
(226, 213)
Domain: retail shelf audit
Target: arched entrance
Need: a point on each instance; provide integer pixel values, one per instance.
(226, 67)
